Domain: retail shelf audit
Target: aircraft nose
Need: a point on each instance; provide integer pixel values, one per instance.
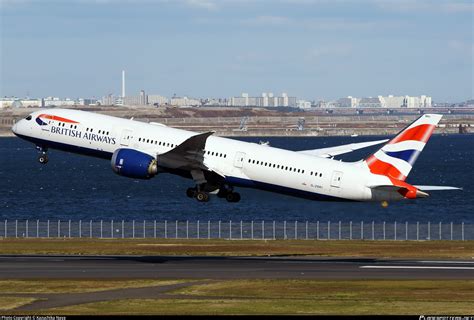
(14, 128)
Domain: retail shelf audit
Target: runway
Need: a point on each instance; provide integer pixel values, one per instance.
(197, 267)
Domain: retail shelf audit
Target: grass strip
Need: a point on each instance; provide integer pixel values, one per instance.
(358, 297)
(9, 303)
(380, 249)
(76, 286)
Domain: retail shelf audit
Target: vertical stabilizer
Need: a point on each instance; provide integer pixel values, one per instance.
(397, 157)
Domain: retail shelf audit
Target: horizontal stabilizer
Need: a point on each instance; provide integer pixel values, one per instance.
(437, 188)
(346, 148)
(405, 190)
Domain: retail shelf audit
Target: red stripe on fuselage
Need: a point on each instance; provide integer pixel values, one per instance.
(377, 166)
(56, 118)
(419, 133)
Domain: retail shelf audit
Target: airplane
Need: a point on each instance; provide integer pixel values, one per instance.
(217, 165)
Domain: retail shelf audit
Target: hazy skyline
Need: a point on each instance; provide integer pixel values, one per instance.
(308, 48)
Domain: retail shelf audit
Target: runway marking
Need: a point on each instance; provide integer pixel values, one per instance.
(417, 267)
(453, 262)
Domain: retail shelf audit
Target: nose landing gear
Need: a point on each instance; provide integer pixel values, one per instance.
(43, 156)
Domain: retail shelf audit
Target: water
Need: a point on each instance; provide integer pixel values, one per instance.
(78, 187)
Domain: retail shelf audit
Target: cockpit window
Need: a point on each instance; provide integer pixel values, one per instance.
(28, 118)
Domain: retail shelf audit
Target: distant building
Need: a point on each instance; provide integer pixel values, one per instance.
(418, 102)
(394, 102)
(140, 100)
(370, 102)
(109, 100)
(265, 100)
(131, 100)
(143, 98)
(57, 102)
(155, 99)
(348, 102)
(390, 101)
(184, 101)
(215, 102)
(14, 102)
(87, 102)
(303, 104)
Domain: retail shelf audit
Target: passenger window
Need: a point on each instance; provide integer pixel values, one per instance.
(28, 117)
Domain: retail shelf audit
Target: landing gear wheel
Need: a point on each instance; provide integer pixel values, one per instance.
(232, 197)
(43, 158)
(191, 192)
(202, 196)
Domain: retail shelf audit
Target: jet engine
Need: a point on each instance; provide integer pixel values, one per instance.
(134, 164)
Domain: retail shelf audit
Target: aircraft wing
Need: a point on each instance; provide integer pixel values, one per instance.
(346, 148)
(188, 155)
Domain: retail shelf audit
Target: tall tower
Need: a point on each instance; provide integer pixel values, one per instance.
(123, 83)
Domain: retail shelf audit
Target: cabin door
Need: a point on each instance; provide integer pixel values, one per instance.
(336, 179)
(126, 137)
(239, 159)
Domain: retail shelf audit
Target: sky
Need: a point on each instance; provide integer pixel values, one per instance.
(312, 49)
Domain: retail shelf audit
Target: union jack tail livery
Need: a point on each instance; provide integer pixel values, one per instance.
(397, 157)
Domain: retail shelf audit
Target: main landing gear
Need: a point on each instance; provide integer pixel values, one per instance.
(43, 156)
(229, 195)
(202, 196)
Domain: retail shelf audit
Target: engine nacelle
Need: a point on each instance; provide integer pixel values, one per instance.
(134, 164)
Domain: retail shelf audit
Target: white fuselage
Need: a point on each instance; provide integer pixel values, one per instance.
(240, 163)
